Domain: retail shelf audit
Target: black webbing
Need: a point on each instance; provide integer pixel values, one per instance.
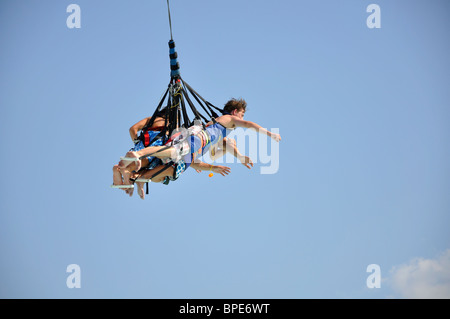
(185, 115)
(166, 166)
(155, 114)
(193, 108)
(199, 102)
(194, 93)
(141, 172)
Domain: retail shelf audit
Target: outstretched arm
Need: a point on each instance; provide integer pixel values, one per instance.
(230, 147)
(201, 166)
(252, 125)
(137, 127)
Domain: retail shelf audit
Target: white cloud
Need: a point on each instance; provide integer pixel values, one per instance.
(423, 278)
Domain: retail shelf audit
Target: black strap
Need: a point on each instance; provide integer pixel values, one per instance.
(187, 122)
(143, 170)
(208, 104)
(198, 115)
(194, 110)
(166, 166)
(155, 114)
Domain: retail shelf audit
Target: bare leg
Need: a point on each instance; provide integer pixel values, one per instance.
(126, 181)
(140, 189)
(117, 175)
(133, 167)
(161, 176)
(157, 179)
(118, 179)
(118, 172)
(146, 151)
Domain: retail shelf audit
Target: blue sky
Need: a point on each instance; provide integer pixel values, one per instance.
(363, 174)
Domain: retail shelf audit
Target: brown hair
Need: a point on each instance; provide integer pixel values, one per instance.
(235, 104)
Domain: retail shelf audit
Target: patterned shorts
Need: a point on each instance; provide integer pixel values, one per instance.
(181, 167)
(140, 145)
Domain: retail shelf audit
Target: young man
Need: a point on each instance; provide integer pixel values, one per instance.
(200, 141)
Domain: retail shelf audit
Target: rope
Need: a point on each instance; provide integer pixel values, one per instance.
(170, 21)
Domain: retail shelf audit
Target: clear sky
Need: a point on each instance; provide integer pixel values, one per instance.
(363, 176)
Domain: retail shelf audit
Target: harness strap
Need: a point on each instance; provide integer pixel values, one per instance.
(158, 108)
(145, 137)
(141, 172)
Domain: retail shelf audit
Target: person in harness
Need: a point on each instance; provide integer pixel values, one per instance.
(199, 141)
(150, 136)
(176, 169)
(125, 177)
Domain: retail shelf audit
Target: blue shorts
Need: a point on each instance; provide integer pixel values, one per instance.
(140, 145)
(181, 167)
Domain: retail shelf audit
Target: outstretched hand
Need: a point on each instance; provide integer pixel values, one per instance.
(222, 170)
(246, 161)
(276, 137)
